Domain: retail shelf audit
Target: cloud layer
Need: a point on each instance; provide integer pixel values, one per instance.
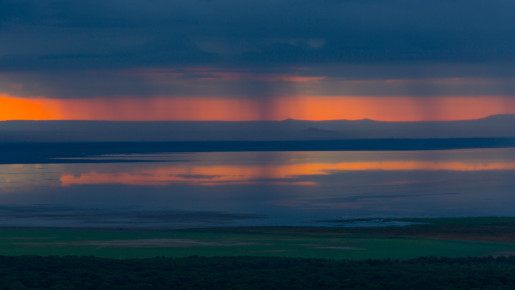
(256, 49)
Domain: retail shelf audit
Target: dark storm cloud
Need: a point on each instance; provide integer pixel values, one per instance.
(56, 43)
(79, 34)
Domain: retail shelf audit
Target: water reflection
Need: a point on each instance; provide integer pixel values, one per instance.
(282, 188)
(23, 177)
(279, 174)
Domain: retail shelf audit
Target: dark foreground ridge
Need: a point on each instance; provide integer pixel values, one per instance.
(71, 272)
(47, 152)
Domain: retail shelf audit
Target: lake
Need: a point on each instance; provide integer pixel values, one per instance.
(213, 189)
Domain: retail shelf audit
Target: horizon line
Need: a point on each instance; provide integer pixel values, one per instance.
(247, 121)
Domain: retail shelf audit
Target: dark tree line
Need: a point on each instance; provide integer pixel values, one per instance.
(72, 272)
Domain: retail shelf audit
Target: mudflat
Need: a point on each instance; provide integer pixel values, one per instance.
(444, 237)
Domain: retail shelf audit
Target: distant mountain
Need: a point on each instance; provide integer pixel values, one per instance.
(77, 131)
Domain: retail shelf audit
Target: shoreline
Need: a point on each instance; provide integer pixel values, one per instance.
(81, 152)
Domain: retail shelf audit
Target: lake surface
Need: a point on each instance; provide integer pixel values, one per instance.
(182, 190)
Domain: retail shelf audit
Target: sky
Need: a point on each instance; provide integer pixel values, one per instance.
(229, 60)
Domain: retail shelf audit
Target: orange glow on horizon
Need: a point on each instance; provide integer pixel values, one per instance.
(277, 175)
(24, 109)
(230, 109)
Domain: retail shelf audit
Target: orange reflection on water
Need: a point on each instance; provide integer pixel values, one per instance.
(285, 174)
(197, 175)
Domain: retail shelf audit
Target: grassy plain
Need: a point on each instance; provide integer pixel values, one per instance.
(490, 236)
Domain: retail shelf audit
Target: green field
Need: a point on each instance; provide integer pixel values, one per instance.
(440, 237)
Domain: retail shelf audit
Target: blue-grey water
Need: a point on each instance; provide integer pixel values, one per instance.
(182, 190)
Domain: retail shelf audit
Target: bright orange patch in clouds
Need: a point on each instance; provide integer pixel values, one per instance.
(231, 109)
(24, 109)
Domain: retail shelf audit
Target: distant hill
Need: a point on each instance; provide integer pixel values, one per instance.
(80, 131)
